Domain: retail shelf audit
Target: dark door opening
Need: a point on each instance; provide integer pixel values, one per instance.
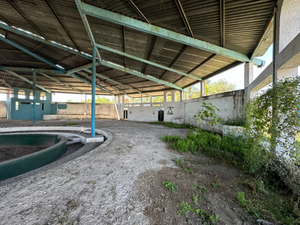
(160, 115)
(125, 114)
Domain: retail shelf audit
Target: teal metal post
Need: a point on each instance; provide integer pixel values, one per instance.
(34, 98)
(93, 92)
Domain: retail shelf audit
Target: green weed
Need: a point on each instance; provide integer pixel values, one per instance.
(206, 217)
(171, 186)
(241, 198)
(200, 188)
(72, 123)
(167, 138)
(179, 162)
(235, 150)
(172, 125)
(213, 185)
(195, 199)
(237, 121)
(188, 170)
(186, 208)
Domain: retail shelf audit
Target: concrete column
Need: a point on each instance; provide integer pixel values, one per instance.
(181, 95)
(248, 74)
(202, 88)
(117, 98)
(85, 106)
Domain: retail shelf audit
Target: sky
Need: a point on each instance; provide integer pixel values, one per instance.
(236, 74)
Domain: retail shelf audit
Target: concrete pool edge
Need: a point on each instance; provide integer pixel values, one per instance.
(89, 147)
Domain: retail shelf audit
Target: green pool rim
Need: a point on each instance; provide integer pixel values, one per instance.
(26, 163)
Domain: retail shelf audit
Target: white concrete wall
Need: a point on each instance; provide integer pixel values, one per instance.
(143, 113)
(2, 109)
(77, 111)
(286, 73)
(289, 22)
(230, 104)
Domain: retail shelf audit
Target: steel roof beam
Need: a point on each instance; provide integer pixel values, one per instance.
(264, 37)
(4, 82)
(26, 80)
(85, 75)
(136, 73)
(87, 27)
(77, 69)
(3, 19)
(89, 83)
(111, 80)
(146, 61)
(20, 69)
(62, 25)
(124, 44)
(222, 22)
(15, 7)
(196, 67)
(175, 59)
(216, 73)
(138, 11)
(64, 58)
(163, 33)
(38, 47)
(58, 81)
(184, 18)
(30, 53)
(150, 53)
(44, 41)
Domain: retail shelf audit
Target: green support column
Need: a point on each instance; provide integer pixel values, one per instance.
(34, 97)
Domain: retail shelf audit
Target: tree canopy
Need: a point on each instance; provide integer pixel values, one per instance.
(100, 100)
(219, 86)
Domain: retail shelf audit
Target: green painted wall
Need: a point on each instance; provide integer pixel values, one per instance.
(22, 108)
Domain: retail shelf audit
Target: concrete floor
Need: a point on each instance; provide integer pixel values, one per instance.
(95, 188)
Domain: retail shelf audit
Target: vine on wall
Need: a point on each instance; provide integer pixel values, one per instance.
(273, 123)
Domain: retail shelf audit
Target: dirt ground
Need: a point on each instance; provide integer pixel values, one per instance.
(121, 183)
(7, 153)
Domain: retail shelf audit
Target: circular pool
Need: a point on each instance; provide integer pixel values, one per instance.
(51, 147)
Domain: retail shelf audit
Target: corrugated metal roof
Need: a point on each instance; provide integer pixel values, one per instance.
(59, 21)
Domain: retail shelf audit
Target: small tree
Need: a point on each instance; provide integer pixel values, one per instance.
(209, 112)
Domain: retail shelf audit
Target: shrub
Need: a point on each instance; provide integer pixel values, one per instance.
(167, 138)
(237, 121)
(237, 150)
